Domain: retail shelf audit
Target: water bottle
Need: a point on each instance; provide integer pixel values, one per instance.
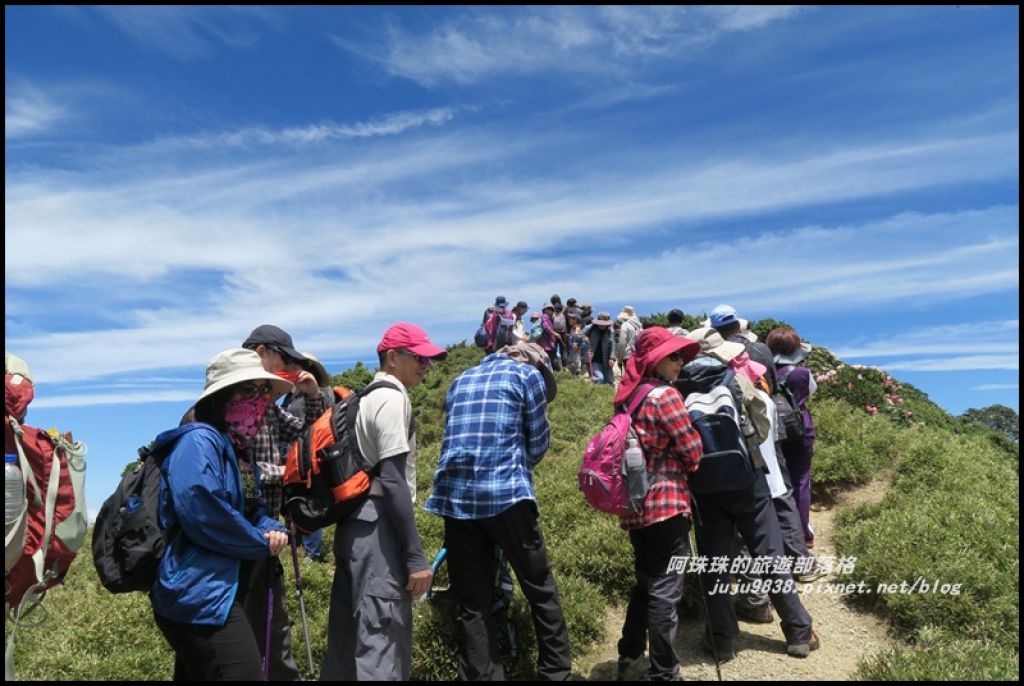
(636, 474)
(14, 491)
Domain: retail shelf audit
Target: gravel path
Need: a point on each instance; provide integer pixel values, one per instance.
(847, 634)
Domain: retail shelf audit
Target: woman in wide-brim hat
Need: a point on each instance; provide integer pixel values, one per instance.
(216, 524)
(672, 449)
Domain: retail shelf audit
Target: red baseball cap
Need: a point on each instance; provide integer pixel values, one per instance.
(411, 338)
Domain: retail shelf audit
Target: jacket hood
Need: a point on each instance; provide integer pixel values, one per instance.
(166, 440)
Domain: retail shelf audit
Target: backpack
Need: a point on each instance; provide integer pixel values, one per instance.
(504, 334)
(602, 475)
(558, 322)
(791, 418)
(43, 535)
(481, 338)
(725, 464)
(326, 477)
(127, 542)
(536, 332)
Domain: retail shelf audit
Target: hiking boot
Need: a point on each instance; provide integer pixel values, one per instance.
(804, 649)
(723, 655)
(624, 666)
(762, 614)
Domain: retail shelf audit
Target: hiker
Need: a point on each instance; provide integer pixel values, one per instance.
(219, 527)
(789, 354)
(549, 340)
(496, 431)
(579, 347)
(572, 309)
(295, 404)
(497, 314)
(280, 427)
(750, 508)
(381, 565)
(627, 327)
(660, 531)
(519, 331)
(587, 312)
(602, 348)
(723, 319)
(675, 323)
(560, 324)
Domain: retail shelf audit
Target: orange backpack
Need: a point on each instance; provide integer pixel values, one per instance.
(325, 475)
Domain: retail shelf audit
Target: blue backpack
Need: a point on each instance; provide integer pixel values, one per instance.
(725, 465)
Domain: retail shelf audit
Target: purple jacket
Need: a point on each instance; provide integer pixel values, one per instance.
(799, 384)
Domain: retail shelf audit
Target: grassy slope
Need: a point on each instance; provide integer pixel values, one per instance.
(951, 514)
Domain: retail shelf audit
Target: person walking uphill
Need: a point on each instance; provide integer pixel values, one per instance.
(672, 449)
(217, 525)
(381, 565)
(496, 431)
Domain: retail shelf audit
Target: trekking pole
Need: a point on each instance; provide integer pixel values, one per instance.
(434, 566)
(270, 618)
(298, 592)
(700, 587)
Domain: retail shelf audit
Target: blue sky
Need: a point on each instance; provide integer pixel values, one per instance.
(176, 176)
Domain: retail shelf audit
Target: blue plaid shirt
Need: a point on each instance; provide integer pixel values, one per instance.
(496, 429)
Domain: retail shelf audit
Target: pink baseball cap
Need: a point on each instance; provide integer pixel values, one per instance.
(411, 338)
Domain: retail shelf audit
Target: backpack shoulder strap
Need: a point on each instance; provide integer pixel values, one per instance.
(785, 376)
(638, 397)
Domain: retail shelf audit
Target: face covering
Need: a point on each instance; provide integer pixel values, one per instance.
(244, 418)
(288, 376)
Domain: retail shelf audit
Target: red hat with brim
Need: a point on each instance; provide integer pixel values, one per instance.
(412, 338)
(651, 347)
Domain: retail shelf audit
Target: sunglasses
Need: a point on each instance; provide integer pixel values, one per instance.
(247, 391)
(423, 361)
(676, 357)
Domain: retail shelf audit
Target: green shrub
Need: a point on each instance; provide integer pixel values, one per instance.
(851, 447)
(941, 656)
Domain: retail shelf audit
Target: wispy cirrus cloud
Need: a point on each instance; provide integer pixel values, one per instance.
(29, 110)
(481, 44)
(189, 33)
(313, 134)
(997, 387)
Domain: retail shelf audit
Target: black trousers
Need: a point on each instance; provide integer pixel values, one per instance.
(471, 571)
(214, 653)
(719, 517)
(652, 613)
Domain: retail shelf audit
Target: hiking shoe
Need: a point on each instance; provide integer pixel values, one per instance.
(624, 665)
(723, 655)
(804, 649)
(762, 614)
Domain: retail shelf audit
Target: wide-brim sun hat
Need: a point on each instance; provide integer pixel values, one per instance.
(535, 356)
(652, 346)
(239, 365)
(317, 369)
(712, 343)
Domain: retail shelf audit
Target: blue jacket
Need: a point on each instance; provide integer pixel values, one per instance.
(201, 501)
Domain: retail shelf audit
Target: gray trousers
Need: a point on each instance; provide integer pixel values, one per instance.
(720, 516)
(282, 662)
(792, 532)
(369, 628)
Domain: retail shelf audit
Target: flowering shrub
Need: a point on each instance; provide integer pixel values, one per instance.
(869, 388)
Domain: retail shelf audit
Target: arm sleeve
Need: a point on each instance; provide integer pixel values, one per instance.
(684, 441)
(195, 472)
(397, 503)
(535, 416)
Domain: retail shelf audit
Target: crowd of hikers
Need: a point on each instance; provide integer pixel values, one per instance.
(241, 461)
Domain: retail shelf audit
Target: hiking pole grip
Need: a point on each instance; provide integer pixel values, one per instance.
(700, 587)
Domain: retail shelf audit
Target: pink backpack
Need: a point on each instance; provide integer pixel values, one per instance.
(603, 475)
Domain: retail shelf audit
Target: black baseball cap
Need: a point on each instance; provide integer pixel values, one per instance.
(274, 337)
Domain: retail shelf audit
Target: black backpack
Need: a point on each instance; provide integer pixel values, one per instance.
(127, 543)
(790, 417)
(326, 476)
(726, 464)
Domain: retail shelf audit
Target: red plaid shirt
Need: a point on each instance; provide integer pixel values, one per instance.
(672, 448)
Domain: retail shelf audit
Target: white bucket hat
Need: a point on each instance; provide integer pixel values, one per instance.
(795, 357)
(237, 365)
(712, 343)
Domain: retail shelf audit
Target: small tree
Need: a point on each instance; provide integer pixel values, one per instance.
(999, 418)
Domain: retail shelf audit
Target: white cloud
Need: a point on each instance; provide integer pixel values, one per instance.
(28, 111)
(603, 40)
(89, 400)
(997, 387)
(991, 337)
(190, 32)
(957, 364)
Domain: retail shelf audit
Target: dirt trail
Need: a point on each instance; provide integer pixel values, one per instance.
(847, 635)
